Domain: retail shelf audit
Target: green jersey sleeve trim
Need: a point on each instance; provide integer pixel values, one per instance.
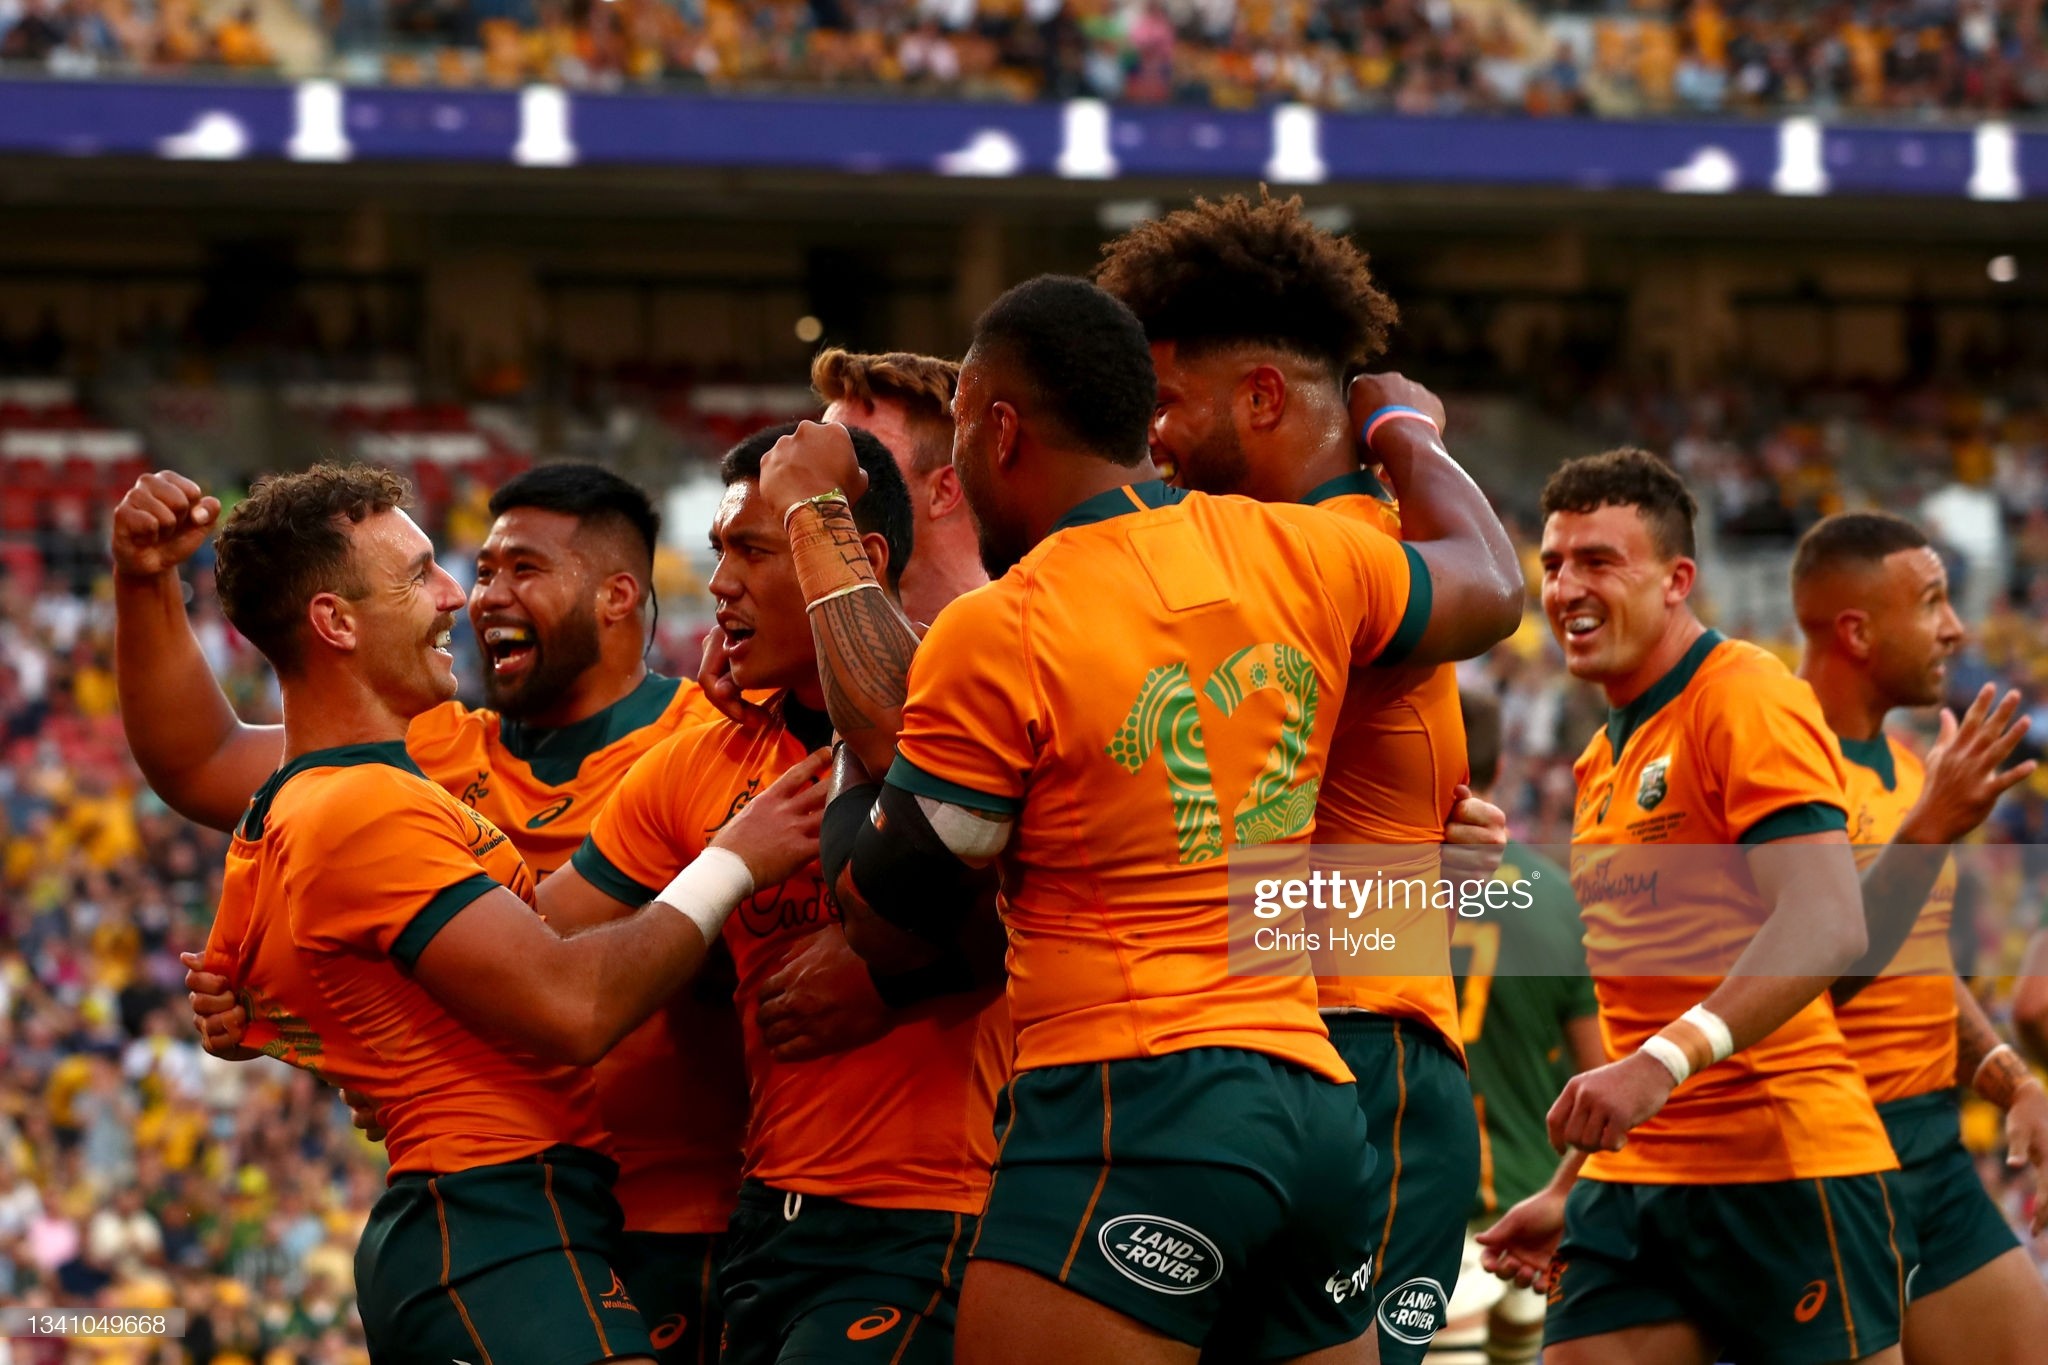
(911, 778)
(600, 872)
(1415, 620)
(1811, 817)
(434, 916)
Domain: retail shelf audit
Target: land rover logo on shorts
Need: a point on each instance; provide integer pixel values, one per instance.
(1414, 1311)
(1160, 1254)
(1650, 791)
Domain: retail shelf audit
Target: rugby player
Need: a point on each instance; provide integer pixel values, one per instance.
(1530, 1022)
(1175, 1140)
(1255, 316)
(1741, 1215)
(561, 606)
(906, 401)
(1872, 600)
(865, 1169)
(383, 936)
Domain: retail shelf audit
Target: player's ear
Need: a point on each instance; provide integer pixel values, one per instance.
(1678, 587)
(1009, 433)
(1853, 633)
(1261, 397)
(618, 597)
(333, 621)
(942, 493)
(876, 547)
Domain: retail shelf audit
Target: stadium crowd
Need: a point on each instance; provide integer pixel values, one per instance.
(1413, 56)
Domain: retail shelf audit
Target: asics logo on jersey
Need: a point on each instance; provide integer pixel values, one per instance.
(874, 1324)
(668, 1331)
(1415, 1310)
(548, 814)
(1809, 1305)
(1160, 1254)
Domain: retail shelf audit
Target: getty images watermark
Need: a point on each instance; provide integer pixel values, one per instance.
(1602, 910)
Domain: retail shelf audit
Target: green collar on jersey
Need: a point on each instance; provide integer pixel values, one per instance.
(556, 756)
(1874, 754)
(390, 752)
(1357, 481)
(1624, 721)
(1132, 497)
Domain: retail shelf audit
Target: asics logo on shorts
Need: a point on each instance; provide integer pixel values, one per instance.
(874, 1324)
(1160, 1253)
(668, 1331)
(1809, 1305)
(1414, 1310)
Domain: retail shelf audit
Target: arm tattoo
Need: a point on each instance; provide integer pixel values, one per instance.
(864, 650)
(864, 644)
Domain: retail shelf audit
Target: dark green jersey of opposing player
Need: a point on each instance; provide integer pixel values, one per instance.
(1521, 979)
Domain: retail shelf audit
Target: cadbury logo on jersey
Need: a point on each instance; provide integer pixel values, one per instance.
(1653, 788)
(551, 812)
(1160, 1254)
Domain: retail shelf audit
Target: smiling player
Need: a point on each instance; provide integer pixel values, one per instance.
(561, 605)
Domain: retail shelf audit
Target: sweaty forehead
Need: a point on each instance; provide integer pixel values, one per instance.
(534, 528)
(1916, 569)
(389, 540)
(743, 511)
(1611, 527)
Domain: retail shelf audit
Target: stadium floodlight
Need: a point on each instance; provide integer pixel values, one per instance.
(1995, 169)
(1801, 168)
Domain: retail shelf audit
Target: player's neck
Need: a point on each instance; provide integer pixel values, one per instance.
(1298, 463)
(329, 712)
(605, 684)
(1072, 478)
(946, 564)
(1853, 708)
(1680, 633)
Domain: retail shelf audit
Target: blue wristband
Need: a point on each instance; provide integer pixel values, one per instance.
(1393, 412)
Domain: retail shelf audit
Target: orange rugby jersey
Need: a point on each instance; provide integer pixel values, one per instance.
(906, 1121)
(1156, 682)
(1398, 753)
(1727, 749)
(673, 1092)
(346, 865)
(1901, 1028)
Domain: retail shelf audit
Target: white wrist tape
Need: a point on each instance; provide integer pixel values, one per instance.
(709, 889)
(1716, 1029)
(1671, 1054)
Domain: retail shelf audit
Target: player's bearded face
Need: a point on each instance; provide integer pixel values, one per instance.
(1606, 590)
(760, 604)
(533, 611)
(977, 433)
(1914, 628)
(1194, 438)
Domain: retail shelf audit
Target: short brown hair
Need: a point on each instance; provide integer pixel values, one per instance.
(286, 543)
(1235, 271)
(1861, 539)
(1628, 477)
(923, 384)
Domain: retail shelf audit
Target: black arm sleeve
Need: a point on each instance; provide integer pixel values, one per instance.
(879, 836)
